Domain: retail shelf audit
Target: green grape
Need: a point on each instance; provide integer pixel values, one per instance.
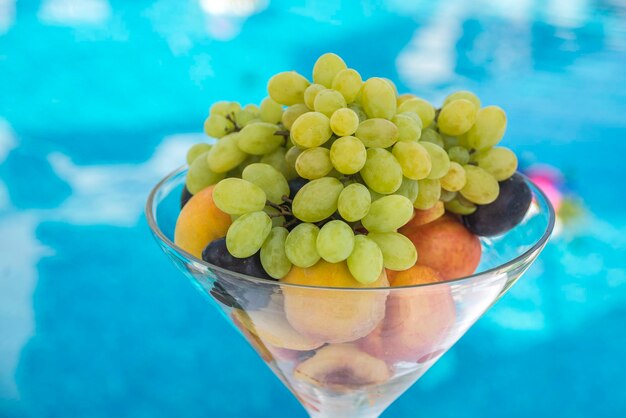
(225, 108)
(480, 186)
(439, 160)
(399, 253)
(447, 196)
(457, 117)
(237, 196)
(291, 156)
(225, 154)
(273, 257)
(366, 260)
(270, 112)
(259, 138)
(378, 98)
(450, 141)
(344, 122)
(393, 86)
(301, 245)
(432, 136)
(217, 126)
(375, 195)
(377, 133)
(488, 129)
(244, 117)
(460, 206)
(314, 163)
(311, 129)
(274, 214)
(459, 154)
(326, 68)
(200, 176)
(429, 193)
(311, 93)
(348, 82)
(463, 94)
(335, 241)
(287, 88)
(409, 128)
(359, 111)
(348, 155)
(414, 159)
(247, 233)
(409, 189)
(270, 180)
(317, 200)
(500, 162)
(425, 110)
(292, 113)
(381, 172)
(278, 160)
(328, 101)
(252, 108)
(454, 180)
(404, 97)
(388, 213)
(354, 202)
(196, 150)
(250, 159)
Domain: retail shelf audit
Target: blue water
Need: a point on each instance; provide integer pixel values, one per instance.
(98, 100)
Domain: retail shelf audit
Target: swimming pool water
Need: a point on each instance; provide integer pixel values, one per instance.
(99, 99)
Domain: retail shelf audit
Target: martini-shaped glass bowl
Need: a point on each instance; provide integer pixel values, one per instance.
(351, 352)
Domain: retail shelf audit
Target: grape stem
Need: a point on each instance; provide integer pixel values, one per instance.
(283, 133)
(234, 122)
(286, 199)
(283, 209)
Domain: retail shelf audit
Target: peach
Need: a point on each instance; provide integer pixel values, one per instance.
(200, 222)
(271, 326)
(330, 315)
(342, 367)
(417, 321)
(242, 322)
(421, 217)
(446, 246)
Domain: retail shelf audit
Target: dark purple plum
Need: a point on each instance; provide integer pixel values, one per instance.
(232, 290)
(185, 196)
(505, 212)
(295, 185)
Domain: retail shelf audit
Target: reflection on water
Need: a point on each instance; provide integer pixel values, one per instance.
(74, 12)
(7, 14)
(91, 305)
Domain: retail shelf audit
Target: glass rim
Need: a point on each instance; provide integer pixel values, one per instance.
(158, 234)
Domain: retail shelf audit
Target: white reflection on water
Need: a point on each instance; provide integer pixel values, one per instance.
(7, 139)
(430, 56)
(20, 251)
(20, 255)
(224, 18)
(74, 12)
(115, 194)
(7, 15)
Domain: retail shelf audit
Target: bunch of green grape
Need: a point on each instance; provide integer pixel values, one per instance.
(369, 158)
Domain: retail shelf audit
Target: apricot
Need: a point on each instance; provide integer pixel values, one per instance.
(417, 320)
(446, 246)
(424, 216)
(332, 315)
(200, 222)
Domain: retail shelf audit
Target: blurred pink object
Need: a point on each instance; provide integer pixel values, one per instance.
(549, 180)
